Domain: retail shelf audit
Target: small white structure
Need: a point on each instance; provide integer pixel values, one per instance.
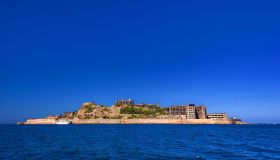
(62, 122)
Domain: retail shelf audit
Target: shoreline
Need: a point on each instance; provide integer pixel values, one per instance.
(134, 121)
(125, 111)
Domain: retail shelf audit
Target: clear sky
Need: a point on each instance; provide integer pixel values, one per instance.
(54, 55)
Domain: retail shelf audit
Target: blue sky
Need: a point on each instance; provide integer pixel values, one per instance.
(54, 55)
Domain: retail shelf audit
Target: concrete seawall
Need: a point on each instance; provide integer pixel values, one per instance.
(41, 121)
(156, 121)
(98, 121)
(137, 121)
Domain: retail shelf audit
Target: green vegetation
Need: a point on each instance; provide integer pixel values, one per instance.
(145, 111)
(131, 110)
(117, 105)
(136, 116)
(89, 109)
(160, 110)
(105, 109)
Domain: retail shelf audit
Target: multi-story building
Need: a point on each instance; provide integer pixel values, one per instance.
(191, 111)
(217, 116)
(188, 110)
(201, 112)
(123, 102)
(177, 110)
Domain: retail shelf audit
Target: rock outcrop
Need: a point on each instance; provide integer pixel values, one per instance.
(90, 111)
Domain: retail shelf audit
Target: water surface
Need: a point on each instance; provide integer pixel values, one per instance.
(139, 141)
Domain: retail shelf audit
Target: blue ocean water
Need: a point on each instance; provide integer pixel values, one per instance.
(139, 141)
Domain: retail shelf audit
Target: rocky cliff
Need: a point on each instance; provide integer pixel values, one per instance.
(90, 111)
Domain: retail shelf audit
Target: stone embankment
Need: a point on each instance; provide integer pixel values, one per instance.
(136, 121)
(157, 121)
(41, 121)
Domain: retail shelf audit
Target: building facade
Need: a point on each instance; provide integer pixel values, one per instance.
(123, 102)
(201, 112)
(217, 116)
(189, 110)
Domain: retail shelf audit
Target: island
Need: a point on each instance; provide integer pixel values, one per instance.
(125, 111)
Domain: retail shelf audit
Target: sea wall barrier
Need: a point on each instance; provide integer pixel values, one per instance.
(137, 121)
(41, 121)
(155, 121)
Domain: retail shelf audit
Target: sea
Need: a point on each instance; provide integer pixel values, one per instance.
(140, 142)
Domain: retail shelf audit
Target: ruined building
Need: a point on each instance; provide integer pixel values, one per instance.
(191, 111)
(201, 112)
(217, 116)
(124, 102)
